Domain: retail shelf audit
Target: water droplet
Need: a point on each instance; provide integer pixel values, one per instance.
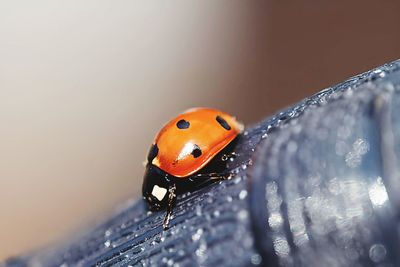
(237, 180)
(201, 251)
(198, 210)
(377, 193)
(107, 233)
(275, 220)
(229, 198)
(281, 247)
(354, 157)
(255, 259)
(107, 243)
(242, 215)
(243, 194)
(217, 213)
(377, 253)
(196, 236)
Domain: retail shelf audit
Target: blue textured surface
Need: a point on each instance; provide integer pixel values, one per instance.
(316, 185)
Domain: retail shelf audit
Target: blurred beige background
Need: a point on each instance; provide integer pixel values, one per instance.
(85, 85)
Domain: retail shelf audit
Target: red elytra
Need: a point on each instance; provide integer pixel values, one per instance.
(189, 141)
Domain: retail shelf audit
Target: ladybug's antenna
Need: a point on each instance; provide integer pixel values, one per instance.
(170, 205)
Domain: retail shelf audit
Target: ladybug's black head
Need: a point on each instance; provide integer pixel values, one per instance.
(155, 187)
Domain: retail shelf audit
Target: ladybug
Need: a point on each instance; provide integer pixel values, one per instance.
(189, 151)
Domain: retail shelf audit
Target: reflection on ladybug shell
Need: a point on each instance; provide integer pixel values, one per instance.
(188, 142)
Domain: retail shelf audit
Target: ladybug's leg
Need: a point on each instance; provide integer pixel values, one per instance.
(170, 205)
(202, 179)
(213, 176)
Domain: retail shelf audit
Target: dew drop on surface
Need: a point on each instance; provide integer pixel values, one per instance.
(322, 100)
(352, 160)
(255, 259)
(107, 233)
(275, 220)
(198, 210)
(196, 236)
(281, 247)
(377, 253)
(380, 73)
(377, 193)
(242, 215)
(354, 157)
(360, 146)
(181, 252)
(237, 180)
(243, 194)
(217, 213)
(201, 251)
(229, 198)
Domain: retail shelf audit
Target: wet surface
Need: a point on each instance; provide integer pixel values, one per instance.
(315, 185)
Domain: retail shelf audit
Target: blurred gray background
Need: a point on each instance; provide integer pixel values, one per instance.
(85, 86)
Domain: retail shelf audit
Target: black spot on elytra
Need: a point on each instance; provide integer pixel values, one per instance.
(196, 152)
(223, 123)
(182, 124)
(152, 153)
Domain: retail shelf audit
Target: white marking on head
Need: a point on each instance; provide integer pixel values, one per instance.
(159, 192)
